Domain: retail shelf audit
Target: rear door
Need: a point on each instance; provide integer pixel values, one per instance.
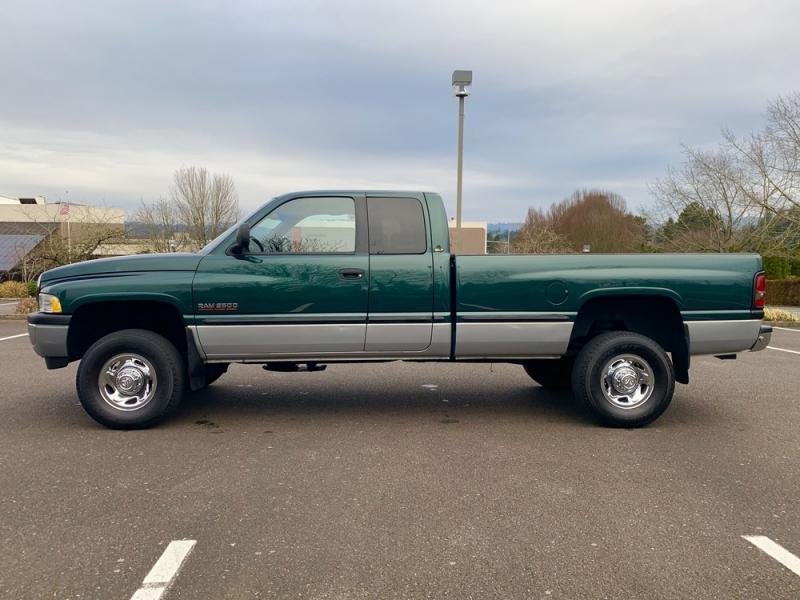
(400, 313)
(302, 292)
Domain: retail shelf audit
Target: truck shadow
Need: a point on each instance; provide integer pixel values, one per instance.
(247, 402)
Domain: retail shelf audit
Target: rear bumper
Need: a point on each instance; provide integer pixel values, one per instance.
(764, 336)
(727, 337)
(48, 335)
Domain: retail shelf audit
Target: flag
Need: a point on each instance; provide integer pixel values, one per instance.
(64, 209)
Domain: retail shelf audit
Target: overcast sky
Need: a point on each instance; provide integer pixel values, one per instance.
(101, 101)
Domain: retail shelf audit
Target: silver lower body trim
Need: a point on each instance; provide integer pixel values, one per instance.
(723, 337)
(398, 336)
(322, 341)
(49, 340)
(512, 340)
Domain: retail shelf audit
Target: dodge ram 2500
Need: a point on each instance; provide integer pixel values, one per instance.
(353, 276)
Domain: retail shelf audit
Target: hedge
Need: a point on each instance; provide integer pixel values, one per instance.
(783, 292)
(794, 266)
(776, 267)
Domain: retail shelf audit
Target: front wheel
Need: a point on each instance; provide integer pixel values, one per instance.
(130, 379)
(625, 379)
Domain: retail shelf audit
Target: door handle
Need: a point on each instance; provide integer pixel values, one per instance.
(351, 273)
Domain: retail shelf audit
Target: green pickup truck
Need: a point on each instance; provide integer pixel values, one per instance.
(342, 276)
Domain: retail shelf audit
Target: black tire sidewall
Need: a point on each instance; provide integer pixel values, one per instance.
(165, 360)
(587, 378)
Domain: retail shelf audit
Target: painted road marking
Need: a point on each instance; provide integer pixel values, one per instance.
(163, 573)
(776, 551)
(11, 337)
(788, 329)
(783, 349)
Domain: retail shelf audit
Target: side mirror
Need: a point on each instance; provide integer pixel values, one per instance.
(243, 238)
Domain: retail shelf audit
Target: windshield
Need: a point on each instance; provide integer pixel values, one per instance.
(218, 240)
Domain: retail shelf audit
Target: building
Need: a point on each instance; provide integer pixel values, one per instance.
(27, 223)
(472, 239)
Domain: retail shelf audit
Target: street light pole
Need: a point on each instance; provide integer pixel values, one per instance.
(461, 80)
(459, 185)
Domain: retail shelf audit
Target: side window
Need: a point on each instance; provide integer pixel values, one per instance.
(308, 226)
(396, 226)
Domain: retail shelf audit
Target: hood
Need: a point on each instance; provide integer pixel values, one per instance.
(173, 261)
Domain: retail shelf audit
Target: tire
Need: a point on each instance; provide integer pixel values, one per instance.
(143, 378)
(214, 371)
(552, 374)
(629, 357)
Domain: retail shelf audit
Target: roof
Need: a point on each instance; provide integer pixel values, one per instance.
(17, 239)
(27, 228)
(14, 247)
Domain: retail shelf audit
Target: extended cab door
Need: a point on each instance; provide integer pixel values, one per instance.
(401, 276)
(301, 289)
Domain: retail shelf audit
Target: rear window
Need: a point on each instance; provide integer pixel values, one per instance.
(396, 226)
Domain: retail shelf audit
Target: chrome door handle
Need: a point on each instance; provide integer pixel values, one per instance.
(351, 273)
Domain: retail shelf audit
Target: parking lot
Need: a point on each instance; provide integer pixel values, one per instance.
(401, 481)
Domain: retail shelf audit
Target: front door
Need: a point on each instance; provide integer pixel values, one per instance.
(301, 289)
(401, 276)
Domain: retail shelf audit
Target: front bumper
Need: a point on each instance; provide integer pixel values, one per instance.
(48, 335)
(764, 336)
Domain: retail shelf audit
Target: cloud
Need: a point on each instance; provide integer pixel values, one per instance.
(107, 99)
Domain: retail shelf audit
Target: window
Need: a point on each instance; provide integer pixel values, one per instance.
(308, 226)
(396, 226)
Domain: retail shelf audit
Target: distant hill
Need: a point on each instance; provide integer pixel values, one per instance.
(495, 228)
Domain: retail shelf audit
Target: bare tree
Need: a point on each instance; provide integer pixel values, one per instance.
(536, 236)
(594, 217)
(749, 187)
(160, 223)
(68, 239)
(709, 204)
(206, 204)
(200, 207)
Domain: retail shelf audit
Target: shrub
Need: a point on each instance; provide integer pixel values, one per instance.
(783, 292)
(13, 289)
(776, 267)
(26, 305)
(33, 289)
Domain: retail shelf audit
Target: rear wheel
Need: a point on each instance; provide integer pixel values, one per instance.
(553, 374)
(130, 379)
(625, 379)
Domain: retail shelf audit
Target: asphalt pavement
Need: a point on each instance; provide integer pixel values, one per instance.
(401, 480)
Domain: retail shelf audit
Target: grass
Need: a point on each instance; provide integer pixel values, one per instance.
(776, 314)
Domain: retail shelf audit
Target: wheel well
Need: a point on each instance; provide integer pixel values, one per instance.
(92, 321)
(656, 317)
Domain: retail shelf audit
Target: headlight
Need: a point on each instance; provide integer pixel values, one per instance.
(49, 303)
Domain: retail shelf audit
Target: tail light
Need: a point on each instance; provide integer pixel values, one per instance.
(759, 290)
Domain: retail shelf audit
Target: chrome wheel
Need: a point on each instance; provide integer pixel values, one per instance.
(127, 382)
(627, 381)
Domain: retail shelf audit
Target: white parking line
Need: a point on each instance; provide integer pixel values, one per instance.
(783, 349)
(788, 329)
(11, 337)
(776, 551)
(163, 573)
